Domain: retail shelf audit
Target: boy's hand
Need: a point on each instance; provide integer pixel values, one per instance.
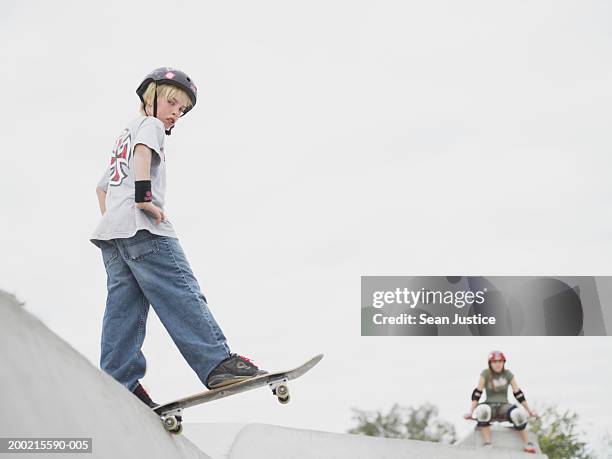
(152, 210)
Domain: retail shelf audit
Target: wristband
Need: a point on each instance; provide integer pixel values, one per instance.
(143, 191)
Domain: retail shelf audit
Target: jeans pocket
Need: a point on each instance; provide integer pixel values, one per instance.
(109, 252)
(141, 245)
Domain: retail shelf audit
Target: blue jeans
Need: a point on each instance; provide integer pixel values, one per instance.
(147, 269)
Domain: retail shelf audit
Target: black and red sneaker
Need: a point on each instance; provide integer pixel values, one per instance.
(142, 394)
(234, 369)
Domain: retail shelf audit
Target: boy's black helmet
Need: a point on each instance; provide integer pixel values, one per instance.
(169, 75)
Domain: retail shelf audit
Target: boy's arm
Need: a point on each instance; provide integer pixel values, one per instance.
(143, 172)
(101, 199)
(142, 168)
(142, 159)
(101, 190)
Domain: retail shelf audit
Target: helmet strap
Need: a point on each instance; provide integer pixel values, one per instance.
(155, 109)
(155, 102)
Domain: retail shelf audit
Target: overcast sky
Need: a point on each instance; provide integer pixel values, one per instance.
(330, 140)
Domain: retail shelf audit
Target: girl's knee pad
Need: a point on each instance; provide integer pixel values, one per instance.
(483, 413)
(518, 416)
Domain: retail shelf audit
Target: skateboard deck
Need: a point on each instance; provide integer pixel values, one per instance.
(503, 436)
(171, 412)
(504, 422)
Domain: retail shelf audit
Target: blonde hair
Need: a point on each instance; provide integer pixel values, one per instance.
(168, 91)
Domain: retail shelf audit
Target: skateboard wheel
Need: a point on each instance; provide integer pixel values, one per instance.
(171, 423)
(282, 391)
(284, 400)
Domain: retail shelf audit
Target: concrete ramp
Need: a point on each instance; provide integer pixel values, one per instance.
(254, 441)
(48, 389)
(502, 438)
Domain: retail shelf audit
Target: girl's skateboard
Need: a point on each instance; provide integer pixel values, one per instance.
(171, 412)
(528, 448)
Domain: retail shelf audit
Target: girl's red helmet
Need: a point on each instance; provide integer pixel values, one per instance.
(496, 355)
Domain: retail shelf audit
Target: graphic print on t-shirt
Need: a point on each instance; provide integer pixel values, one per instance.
(498, 383)
(121, 158)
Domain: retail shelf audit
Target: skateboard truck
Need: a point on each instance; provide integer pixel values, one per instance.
(173, 419)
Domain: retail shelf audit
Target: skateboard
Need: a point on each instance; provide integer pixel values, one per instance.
(503, 421)
(507, 424)
(171, 412)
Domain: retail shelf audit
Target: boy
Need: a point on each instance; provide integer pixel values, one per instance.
(144, 261)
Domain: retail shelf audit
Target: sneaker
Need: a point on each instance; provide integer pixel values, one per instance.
(234, 369)
(529, 448)
(487, 444)
(141, 393)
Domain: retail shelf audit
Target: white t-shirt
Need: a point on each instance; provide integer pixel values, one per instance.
(122, 218)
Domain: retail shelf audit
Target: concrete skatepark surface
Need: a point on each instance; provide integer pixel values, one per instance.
(501, 436)
(50, 390)
(241, 441)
